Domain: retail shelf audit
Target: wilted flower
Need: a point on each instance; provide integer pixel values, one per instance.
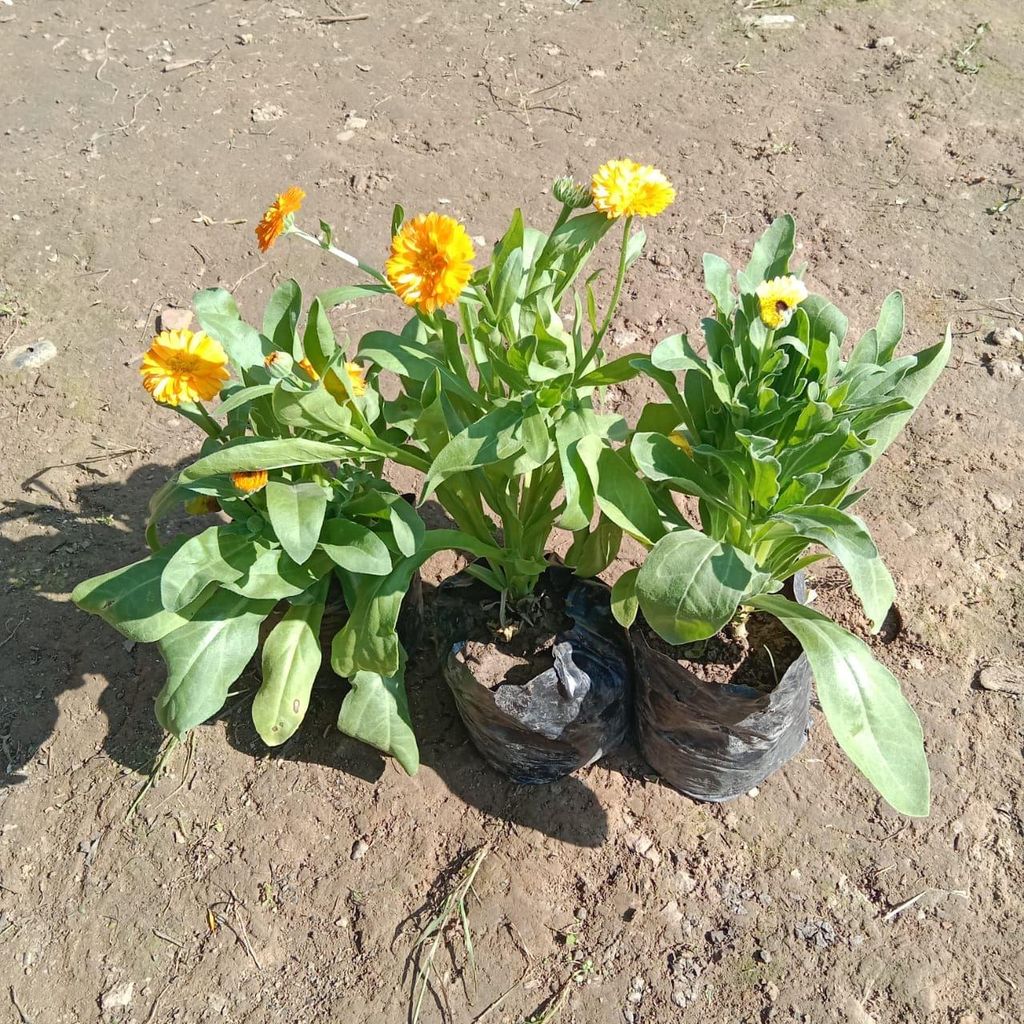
(277, 219)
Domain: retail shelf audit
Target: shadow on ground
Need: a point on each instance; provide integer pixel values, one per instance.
(49, 648)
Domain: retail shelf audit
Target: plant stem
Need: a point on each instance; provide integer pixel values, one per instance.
(620, 277)
(340, 254)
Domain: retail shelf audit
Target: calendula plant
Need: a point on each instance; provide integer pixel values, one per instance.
(498, 401)
(771, 430)
(309, 522)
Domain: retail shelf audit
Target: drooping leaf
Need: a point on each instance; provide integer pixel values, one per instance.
(129, 598)
(291, 660)
(205, 656)
(624, 600)
(848, 539)
(376, 711)
(863, 704)
(690, 585)
(251, 453)
(296, 513)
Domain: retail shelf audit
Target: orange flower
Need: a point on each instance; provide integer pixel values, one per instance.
(308, 367)
(250, 481)
(278, 217)
(183, 367)
(431, 261)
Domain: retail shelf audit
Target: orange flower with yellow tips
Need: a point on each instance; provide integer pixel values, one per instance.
(622, 188)
(431, 261)
(250, 481)
(182, 367)
(277, 219)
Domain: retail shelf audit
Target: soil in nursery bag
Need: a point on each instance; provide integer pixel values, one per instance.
(715, 720)
(547, 695)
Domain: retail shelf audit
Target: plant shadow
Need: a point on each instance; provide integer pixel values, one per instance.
(48, 648)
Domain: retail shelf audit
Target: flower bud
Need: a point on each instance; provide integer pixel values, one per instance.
(571, 193)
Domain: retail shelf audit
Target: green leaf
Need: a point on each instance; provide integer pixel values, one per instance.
(824, 320)
(205, 656)
(221, 554)
(296, 513)
(218, 316)
(243, 396)
(506, 286)
(318, 342)
(312, 409)
(492, 438)
(274, 576)
(848, 539)
(890, 326)
(597, 548)
(690, 585)
(865, 708)
(718, 281)
(579, 491)
(770, 257)
(355, 548)
(406, 526)
(615, 372)
(376, 711)
(625, 603)
(291, 660)
(281, 316)
(675, 353)
(917, 382)
(659, 459)
(252, 453)
(129, 598)
(623, 497)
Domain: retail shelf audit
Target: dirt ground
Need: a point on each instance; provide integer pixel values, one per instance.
(139, 142)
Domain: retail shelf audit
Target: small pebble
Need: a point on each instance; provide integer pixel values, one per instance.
(359, 848)
(883, 43)
(1000, 502)
(1006, 336)
(753, 792)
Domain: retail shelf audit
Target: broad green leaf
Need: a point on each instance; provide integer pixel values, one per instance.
(355, 548)
(623, 497)
(764, 483)
(296, 513)
(690, 585)
(318, 342)
(252, 453)
(675, 353)
(848, 539)
(218, 316)
(579, 491)
(281, 316)
(406, 526)
(659, 459)
(376, 711)
(490, 439)
(866, 710)
(129, 598)
(274, 576)
(597, 548)
(824, 320)
(350, 293)
(506, 286)
(624, 600)
(890, 326)
(770, 257)
(221, 554)
(205, 656)
(718, 281)
(312, 409)
(291, 660)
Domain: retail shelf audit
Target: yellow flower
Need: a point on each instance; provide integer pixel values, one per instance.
(623, 188)
(183, 367)
(431, 261)
(356, 379)
(680, 441)
(306, 365)
(778, 298)
(202, 505)
(277, 218)
(250, 481)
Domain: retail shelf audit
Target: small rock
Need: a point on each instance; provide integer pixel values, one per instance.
(883, 43)
(671, 914)
(356, 122)
(264, 112)
(916, 664)
(245, 39)
(1000, 502)
(28, 357)
(1006, 336)
(771, 991)
(763, 956)
(172, 319)
(684, 882)
(359, 848)
(1005, 369)
(118, 997)
(625, 339)
(753, 792)
(817, 933)
(345, 135)
(1000, 679)
(644, 847)
(581, 914)
(776, 21)
(905, 530)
